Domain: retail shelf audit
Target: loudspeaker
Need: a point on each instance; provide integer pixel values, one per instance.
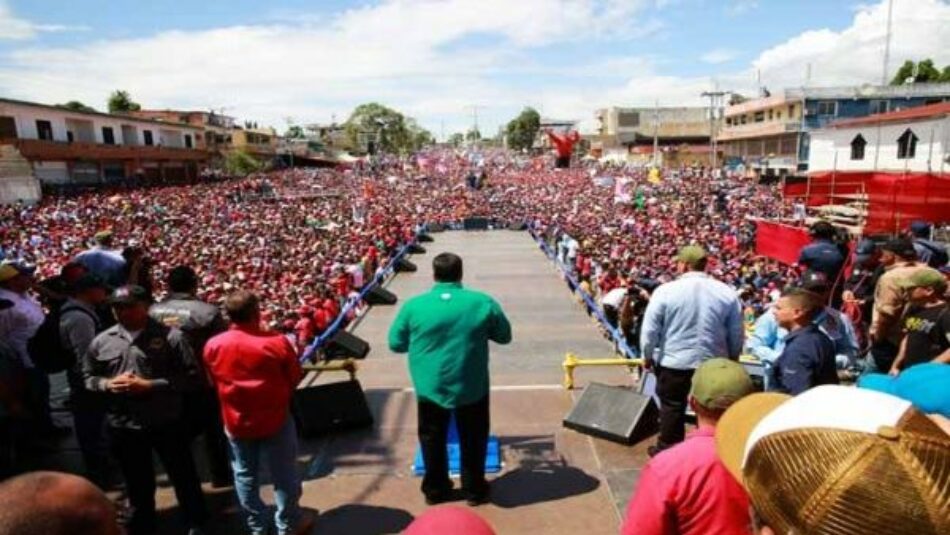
(405, 266)
(436, 227)
(415, 248)
(518, 226)
(425, 238)
(331, 407)
(614, 413)
(380, 296)
(475, 223)
(345, 345)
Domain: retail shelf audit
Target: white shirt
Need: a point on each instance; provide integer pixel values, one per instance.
(614, 298)
(20, 322)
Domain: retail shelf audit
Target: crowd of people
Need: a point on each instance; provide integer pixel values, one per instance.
(124, 291)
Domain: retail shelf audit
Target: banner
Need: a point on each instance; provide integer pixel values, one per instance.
(780, 242)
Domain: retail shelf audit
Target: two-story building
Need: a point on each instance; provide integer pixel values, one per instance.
(682, 135)
(772, 134)
(50, 145)
(258, 142)
(218, 128)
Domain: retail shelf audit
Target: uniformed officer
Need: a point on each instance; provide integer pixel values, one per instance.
(143, 367)
(825, 256)
(199, 321)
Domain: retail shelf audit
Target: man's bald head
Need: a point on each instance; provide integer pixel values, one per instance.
(53, 503)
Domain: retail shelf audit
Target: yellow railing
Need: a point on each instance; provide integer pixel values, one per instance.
(572, 361)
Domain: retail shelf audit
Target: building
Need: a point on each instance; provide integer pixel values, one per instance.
(682, 135)
(218, 128)
(772, 134)
(258, 142)
(913, 140)
(49, 145)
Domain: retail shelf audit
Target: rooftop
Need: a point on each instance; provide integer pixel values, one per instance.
(917, 113)
(117, 116)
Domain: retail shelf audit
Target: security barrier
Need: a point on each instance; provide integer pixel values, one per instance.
(572, 361)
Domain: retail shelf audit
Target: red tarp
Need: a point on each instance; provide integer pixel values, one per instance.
(780, 242)
(895, 199)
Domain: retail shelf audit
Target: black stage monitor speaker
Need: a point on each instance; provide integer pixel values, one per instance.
(613, 413)
(331, 407)
(405, 266)
(345, 345)
(380, 296)
(475, 223)
(436, 227)
(415, 248)
(425, 238)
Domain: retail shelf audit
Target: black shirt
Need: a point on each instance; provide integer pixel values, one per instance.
(808, 360)
(928, 333)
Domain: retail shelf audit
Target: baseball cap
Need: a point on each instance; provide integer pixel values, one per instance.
(11, 270)
(920, 227)
(128, 295)
(103, 235)
(924, 278)
(814, 281)
(691, 254)
(719, 382)
(901, 247)
(841, 460)
(89, 281)
(924, 385)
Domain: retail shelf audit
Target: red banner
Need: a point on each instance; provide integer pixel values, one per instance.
(780, 242)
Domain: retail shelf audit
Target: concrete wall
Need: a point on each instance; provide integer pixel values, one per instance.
(933, 148)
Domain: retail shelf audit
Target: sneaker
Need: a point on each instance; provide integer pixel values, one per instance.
(436, 498)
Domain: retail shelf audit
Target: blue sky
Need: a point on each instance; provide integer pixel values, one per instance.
(312, 61)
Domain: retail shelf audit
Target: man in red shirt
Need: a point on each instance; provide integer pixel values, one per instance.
(686, 489)
(255, 373)
(564, 146)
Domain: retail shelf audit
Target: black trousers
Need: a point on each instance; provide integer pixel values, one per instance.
(133, 449)
(204, 418)
(612, 315)
(473, 423)
(89, 419)
(562, 162)
(672, 387)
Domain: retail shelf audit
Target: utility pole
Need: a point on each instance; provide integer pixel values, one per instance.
(887, 41)
(656, 138)
(715, 105)
(475, 108)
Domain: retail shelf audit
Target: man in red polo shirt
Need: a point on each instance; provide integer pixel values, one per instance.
(255, 373)
(686, 489)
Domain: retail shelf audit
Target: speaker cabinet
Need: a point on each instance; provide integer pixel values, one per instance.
(345, 345)
(425, 238)
(614, 413)
(329, 408)
(415, 248)
(405, 266)
(380, 296)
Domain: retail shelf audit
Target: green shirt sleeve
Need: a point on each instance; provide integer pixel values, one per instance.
(399, 332)
(500, 327)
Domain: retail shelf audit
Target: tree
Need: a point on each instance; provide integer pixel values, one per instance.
(921, 72)
(456, 139)
(75, 105)
(121, 102)
(522, 130)
(240, 163)
(294, 132)
(419, 137)
(473, 135)
(373, 125)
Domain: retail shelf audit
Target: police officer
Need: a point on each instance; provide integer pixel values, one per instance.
(199, 321)
(928, 251)
(143, 367)
(825, 256)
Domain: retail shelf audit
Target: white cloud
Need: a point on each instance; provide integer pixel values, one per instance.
(920, 29)
(718, 55)
(14, 28)
(740, 7)
(417, 56)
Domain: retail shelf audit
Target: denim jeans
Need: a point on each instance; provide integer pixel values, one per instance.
(281, 452)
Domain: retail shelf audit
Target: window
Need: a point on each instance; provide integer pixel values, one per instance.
(857, 147)
(878, 106)
(791, 111)
(8, 127)
(44, 130)
(771, 114)
(759, 116)
(108, 136)
(147, 135)
(188, 141)
(69, 136)
(828, 107)
(906, 145)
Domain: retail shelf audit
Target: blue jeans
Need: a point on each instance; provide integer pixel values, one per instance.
(281, 452)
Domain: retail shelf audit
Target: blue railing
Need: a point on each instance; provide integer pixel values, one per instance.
(615, 334)
(310, 350)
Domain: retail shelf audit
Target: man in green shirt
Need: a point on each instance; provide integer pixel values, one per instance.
(446, 333)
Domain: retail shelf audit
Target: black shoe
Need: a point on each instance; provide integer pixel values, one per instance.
(435, 498)
(478, 499)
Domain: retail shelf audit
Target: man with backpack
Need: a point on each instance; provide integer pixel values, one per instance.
(928, 251)
(78, 326)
